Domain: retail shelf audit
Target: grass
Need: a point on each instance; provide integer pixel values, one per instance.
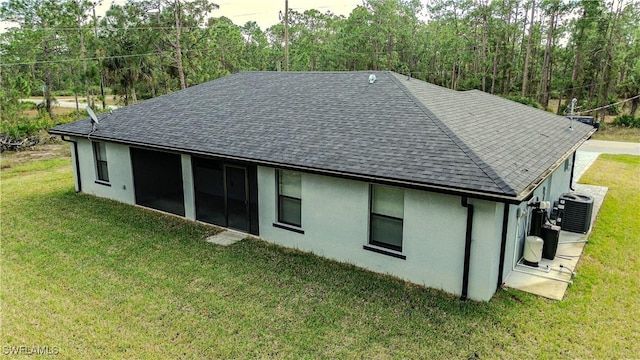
(33, 113)
(616, 133)
(14, 163)
(98, 279)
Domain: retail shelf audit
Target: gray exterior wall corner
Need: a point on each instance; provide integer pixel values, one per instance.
(188, 187)
(73, 145)
(556, 184)
(335, 221)
(120, 171)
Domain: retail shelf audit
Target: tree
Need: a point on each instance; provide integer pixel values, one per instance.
(128, 52)
(254, 52)
(542, 49)
(178, 21)
(34, 40)
(224, 45)
(525, 69)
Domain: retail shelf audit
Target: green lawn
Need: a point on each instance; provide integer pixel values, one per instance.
(615, 133)
(97, 279)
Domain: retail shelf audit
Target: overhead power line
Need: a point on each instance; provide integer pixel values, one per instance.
(111, 28)
(80, 59)
(608, 106)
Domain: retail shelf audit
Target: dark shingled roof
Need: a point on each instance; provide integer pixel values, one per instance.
(396, 130)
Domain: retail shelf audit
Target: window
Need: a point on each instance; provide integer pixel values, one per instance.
(289, 198)
(387, 212)
(100, 153)
(566, 164)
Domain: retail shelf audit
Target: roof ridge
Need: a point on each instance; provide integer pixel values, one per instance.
(481, 164)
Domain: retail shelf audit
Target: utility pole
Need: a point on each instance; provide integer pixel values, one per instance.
(177, 13)
(47, 73)
(95, 30)
(286, 35)
(83, 51)
(1, 108)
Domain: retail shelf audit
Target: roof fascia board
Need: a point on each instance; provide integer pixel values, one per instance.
(528, 192)
(352, 176)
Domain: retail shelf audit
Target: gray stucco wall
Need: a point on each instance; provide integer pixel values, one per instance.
(335, 222)
(549, 190)
(188, 188)
(120, 185)
(560, 181)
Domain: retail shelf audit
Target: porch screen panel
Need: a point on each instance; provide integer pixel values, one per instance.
(208, 177)
(157, 178)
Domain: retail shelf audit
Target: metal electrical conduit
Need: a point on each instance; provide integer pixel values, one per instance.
(515, 248)
(467, 248)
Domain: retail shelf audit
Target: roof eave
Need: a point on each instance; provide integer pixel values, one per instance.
(477, 194)
(527, 193)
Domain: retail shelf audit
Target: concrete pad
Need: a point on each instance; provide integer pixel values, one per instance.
(553, 277)
(584, 160)
(226, 238)
(598, 193)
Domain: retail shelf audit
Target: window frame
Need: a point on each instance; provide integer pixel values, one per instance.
(101, 176)
(382, 247)
(279, 207)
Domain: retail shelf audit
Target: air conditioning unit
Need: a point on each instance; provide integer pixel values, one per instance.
(574, 212)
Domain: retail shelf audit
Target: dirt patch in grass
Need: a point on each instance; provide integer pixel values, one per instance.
(55, 110)
(12, 159)
(82, 101)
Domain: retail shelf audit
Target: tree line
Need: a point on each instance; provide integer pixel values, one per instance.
(533, 51)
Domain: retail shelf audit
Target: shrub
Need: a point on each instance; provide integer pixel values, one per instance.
(525, 100)
(95, 89)
(65, 92)
(72, 116)
(470, 84)
(27, 105)
(26, 127)
(614, 108)
(627, 121)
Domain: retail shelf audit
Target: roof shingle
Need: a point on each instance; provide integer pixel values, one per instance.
(393, 129)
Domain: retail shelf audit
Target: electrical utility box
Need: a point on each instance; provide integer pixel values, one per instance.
(574, 212)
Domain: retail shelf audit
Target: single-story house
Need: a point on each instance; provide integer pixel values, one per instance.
(375, 169)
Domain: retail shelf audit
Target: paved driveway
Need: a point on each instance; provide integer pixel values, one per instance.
(611, 147)
(68, 104)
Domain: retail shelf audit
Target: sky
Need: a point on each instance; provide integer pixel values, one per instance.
(264, 12)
